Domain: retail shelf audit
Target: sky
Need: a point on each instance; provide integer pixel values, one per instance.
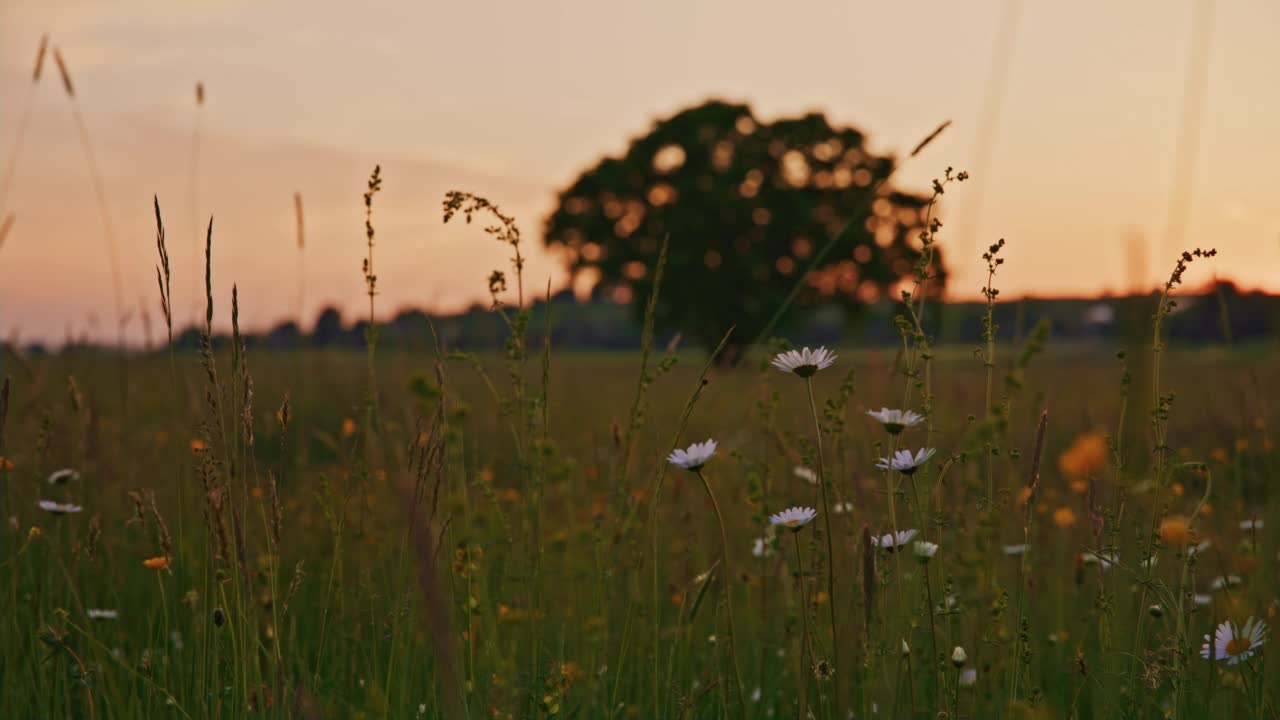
(1073, 142)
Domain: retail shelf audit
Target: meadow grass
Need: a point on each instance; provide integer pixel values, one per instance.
(344, 525)
(448, 534)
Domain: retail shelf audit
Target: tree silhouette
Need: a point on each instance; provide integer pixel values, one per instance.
(328, 328)
(746, 205)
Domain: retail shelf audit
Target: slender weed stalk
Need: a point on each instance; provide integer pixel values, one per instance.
(852, 225)
(620, 472)
(99, 188)
(20, 136)
(915, 341)
(728, 590)
(163, 284)
(916, 351)
(1160, 413)
(431, 461)
(371, 289)
(193, 196)
(635, 418)
(302, 255)
(806, 640)
(1021, 636)
(832, 562)
(6, 225)
(989, 330)
(519, 407)
(655, 494)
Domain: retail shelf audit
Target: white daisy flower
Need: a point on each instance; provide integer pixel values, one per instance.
(58, 508)
(1202, 599)
(805, 474)
(890, 542)
(1199, 548)
(794, 518)
(101, 614)
(959, 657)
(65, 475)
(906, 463)
(1149, 562)
(762, 548)
(841, 508)
(1233, 643)
(695, 456)
(755, 695)
(1221, 582)
(895, 421)
(925, 549)
(1252, 524)
(1016, 549)
(804, 362)
(968, 677)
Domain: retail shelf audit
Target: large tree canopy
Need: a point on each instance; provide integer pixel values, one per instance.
(746, 204)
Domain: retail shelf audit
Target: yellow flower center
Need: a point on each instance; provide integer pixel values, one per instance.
(793, 522)
(1238, 646)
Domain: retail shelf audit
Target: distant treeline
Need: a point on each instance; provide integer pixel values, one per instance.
(1220, 314)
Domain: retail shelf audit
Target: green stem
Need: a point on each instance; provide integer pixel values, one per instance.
(804, 625)
(933, 641)
(826, 521)
(728, 589)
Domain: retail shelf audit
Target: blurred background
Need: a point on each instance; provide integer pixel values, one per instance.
(1102, 138)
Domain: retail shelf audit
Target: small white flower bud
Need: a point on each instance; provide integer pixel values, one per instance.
(925, 550)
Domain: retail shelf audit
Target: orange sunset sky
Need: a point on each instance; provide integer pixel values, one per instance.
(1073, 141)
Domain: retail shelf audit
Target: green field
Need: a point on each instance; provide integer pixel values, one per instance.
(527, 586)
(620, 481)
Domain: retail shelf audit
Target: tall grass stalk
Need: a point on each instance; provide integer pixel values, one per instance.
(193, 196)
(518, 406)
(20, 136)
(636, 417)
(452, 696)
(656, 496)
(916, 350)
(806, 640)
(852, 225)
(371, 289)
(1024, 577)
(832, 563)
(100, 192)
(166, 293)
(302, 258)
(1160, 413)
(6, 225)
(989, 330)
(728, 591)
(1185, 587)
